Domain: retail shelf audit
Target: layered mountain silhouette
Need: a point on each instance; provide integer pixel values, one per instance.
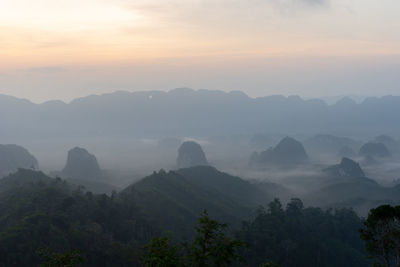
(288, 152)
(190, 154)
(186, 112)
(13, 157)
(346, 168)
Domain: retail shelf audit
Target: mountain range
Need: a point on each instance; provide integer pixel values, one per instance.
(187, 112)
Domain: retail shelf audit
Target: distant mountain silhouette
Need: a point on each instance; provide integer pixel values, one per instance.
(288, 152)
(13, 157)
(330, 144)
(376, 150)
(81, 165)
(188, 112)
(346, 168)
(190, 154)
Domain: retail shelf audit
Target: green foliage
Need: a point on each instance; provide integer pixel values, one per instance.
(48, 213)
(298, 236)
(210, 247)
(173, 200)
(70, 258)
(40, 212)
(160, 253)
(381, 234)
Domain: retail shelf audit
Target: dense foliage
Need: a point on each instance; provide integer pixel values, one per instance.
(382, 235)
(45, 213)
(210, 247)
(40, 212)
(298, 236)
(70, 258)
(173, 200)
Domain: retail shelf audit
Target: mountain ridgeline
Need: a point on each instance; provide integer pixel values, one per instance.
(188, 112)
(274, 169)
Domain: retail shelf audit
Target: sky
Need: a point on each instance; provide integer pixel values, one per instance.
(56, 49)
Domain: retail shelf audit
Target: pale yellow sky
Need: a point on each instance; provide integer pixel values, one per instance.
(113, 34)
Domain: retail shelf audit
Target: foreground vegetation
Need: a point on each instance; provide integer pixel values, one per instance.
(68, 223)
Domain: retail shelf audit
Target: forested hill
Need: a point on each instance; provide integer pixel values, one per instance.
(42, 212)
(188, 112)
(173, 200)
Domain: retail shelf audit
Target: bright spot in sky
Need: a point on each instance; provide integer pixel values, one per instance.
(70, 15)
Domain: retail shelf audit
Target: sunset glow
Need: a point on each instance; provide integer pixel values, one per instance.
(112, 34)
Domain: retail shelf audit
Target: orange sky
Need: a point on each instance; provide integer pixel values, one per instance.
(77, 34)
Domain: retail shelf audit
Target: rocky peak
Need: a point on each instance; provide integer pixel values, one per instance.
(190, 154)
(346, 168)
(81, 164)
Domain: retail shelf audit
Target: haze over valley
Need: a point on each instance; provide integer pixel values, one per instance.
(106, 142)
(200, 133)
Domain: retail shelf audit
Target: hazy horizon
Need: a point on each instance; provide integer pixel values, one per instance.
(328, 99)
(311, 48)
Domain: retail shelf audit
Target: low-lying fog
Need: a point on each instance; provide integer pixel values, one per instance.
(127, 159)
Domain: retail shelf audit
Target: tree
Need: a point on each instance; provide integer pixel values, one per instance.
(381, 234)
(160, 253)
(211, 246)
(70, 258)
(298, 236)
(294, 206)
(275, 207)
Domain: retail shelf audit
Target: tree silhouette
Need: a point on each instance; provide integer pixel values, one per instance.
(382, 235)
(210, 247)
